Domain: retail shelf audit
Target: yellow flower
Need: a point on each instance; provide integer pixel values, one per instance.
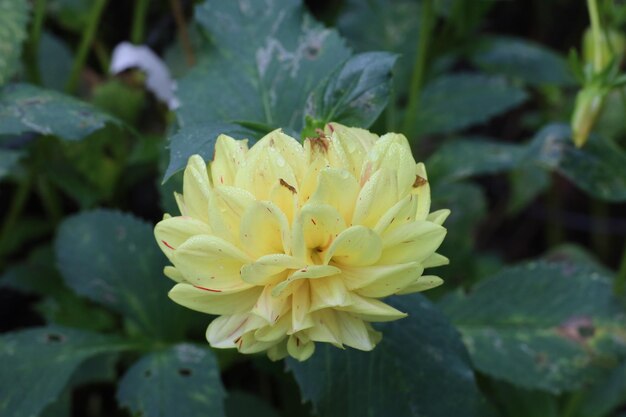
(294, 244)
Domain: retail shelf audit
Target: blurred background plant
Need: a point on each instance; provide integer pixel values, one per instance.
(526, 148)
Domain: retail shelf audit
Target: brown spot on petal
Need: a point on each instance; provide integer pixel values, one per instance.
(288, 186)
(419, 181)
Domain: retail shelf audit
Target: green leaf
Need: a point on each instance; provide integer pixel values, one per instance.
(468, 207)
(112, 258)
(38, 363)
(420, 368)
(527, 182)
(8, 160)
(242, 404)
(455, 102)
(26, 108)
(605, 395)
(59, 305)
(183, 380)
(467, 157)
(55, 61)
(521, 59)
(267, 59)
(514, 401)
(599, 168)
(396, 31)
(355, 93)
(541, 325)
(13, 21)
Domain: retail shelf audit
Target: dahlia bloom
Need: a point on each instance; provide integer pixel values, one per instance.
(293, 244)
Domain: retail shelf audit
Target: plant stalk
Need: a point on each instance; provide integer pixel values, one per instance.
(85, 44)
(183, 33)
(419, 68)
(139, 21)
(32, 51)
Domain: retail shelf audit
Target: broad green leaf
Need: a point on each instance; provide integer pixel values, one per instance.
(604, 396)
(8, 159)
(599, 168)
(466, 157)
(468, 207)
(267, 59)
(541, 325)
(112, 258)
(455, 102)
(26, 108)
(527, 182)
(38, 363)
(55, 61)
(355, 93)
(420, 368)
(183, 380)
(242, 404)
(396, 31)
(13, 21)
(521, 59)
(59, 305)
(514, 401)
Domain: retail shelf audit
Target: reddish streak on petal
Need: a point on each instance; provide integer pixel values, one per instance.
(206, 289)
(167, 244)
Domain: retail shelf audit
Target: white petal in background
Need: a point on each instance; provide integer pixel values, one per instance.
(159, 80)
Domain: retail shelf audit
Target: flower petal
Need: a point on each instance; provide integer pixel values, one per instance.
(354, 333)
(269, 307)
(326, 327)
(300, 347)
(424, 283)
(264, 230)
(229, 156)
(300, 307)
(392, 283)
(337, 188)
(211, 262)
(359, 277)
(314, 230)
(348, 147)
(226, 207)
(211, 302)
(421, 188)
(371, 309)
(377, 196)
(435, 260)
(355, 246)
(172, 232)
(224, 330)
(269, 268)
(196, 189)
(307, 272)
(413, 242)
(400, 214)
(328, 292)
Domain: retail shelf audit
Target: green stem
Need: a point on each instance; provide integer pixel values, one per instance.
(85, 44)
(32, 50)
(620, 279)
(419, 68)
(139, 21)
(50, 200)
(183, 33)
(17, 204)
(554, 229)
(596, 30)
(599, 211)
